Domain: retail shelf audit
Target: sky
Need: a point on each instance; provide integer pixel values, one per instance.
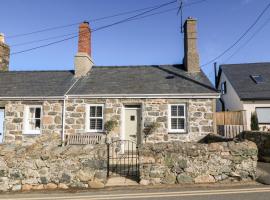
(147, 41)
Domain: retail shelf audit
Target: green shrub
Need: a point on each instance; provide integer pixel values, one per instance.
(254, 122)
(110, 125)
(150, 129)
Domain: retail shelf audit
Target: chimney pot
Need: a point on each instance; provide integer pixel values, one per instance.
(191, 57)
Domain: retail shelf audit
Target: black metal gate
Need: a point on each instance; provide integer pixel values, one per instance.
(123, 159)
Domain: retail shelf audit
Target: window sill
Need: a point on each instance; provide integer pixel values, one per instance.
(177, 132)
(32, 133)
(87, 131)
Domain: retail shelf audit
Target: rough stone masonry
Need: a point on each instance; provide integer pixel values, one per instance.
(46, 165)
(182, 163)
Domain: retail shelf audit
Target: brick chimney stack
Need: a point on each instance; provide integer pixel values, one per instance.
(84, 45)
(4, 54)
(191, 57)
(83, 60)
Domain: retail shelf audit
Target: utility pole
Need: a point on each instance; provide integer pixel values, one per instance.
(180, 10)
(215, 69)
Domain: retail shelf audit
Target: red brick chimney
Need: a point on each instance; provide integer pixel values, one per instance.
(84, 44)
(83, 61)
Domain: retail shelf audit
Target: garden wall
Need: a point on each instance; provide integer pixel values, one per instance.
(177, 162)
(262, 140)
(45, 165)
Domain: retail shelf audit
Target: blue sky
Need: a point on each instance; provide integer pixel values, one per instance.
(152, 40)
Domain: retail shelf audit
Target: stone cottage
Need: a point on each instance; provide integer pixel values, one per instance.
(179, 98)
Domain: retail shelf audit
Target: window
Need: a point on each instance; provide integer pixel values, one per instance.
(224, 87)
(263, 115)
(32, 119)
(95, 118)
(257, 78)
(177, 118)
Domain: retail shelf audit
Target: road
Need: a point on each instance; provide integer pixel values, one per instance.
(254, 192)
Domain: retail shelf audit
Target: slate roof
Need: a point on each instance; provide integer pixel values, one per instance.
(35, 83)
(245, 87)
(154, 79)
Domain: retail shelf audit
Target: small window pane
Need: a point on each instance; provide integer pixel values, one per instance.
(92, 124)
(32, 113)
(263, 115)
(181, 123)
(174, 123)
(37, 125)
(99, 124)
(34, 124)
(37, 113)
(181, 111)
(173, 110)
(92, 111)
(257, 78)
(99, 111)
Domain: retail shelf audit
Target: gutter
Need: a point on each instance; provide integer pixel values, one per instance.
(33, 98)
(173, 96)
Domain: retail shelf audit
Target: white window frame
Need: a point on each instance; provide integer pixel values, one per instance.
(87, 122)
(170, 130)
(26, 129)
(259, 122)
(223, 88)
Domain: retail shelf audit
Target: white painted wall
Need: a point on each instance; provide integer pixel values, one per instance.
(250, 107)
(231, 99)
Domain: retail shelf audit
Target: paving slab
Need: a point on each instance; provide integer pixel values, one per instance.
(120, 181)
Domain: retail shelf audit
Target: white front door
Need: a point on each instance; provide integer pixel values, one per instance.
(2, 112)
(133, 124)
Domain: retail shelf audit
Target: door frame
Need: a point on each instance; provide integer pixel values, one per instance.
(123, 121)
(3, 136)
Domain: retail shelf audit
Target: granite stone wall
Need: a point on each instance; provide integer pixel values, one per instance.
(46, 165)
(200, 116)
(51, 121)
(262, 140)
(182, 163)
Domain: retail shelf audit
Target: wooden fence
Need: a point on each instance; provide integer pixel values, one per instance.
(230, 131)
(230, 123)
(231, 118)
(84, 139)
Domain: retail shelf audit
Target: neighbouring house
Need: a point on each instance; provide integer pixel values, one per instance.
(246, 87)
(178, 97)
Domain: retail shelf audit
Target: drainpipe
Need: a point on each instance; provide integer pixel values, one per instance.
(64, 112)
(63, 120)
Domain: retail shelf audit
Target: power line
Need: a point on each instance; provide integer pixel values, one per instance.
(95, 19)
(137, 18)
(73, 24)
(97, 29)
(41, 40)
(75, 33)
(240, 38)
(246, 43)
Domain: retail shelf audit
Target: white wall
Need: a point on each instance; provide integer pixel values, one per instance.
(231, 99)
(250, 107)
